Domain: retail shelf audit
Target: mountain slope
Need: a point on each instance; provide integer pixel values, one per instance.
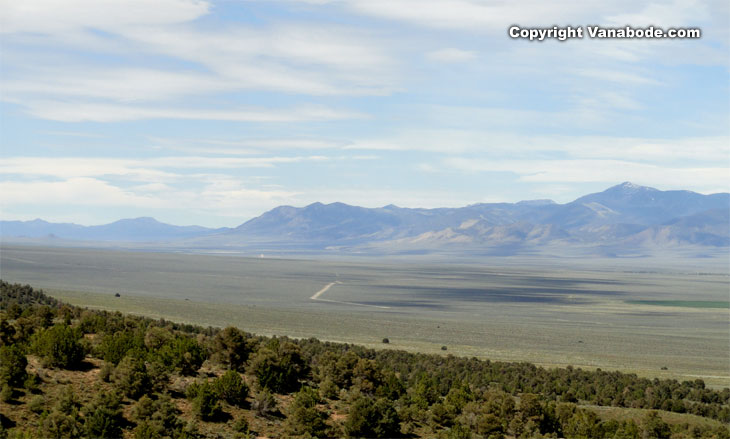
(624, 214)
(622, 218)
(143, 229)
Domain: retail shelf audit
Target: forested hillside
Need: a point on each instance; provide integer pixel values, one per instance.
(69, 372)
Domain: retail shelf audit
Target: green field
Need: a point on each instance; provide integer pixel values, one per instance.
(612, 315)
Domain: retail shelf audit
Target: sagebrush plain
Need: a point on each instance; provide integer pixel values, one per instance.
(631, 316)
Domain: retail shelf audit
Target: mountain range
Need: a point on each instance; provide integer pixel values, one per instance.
(623, 219)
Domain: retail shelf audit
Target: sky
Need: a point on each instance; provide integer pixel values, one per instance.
(212, 112)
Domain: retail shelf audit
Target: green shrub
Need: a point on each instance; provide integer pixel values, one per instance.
(183, 354)
(279, 366)
(232, 348)
(372, 418)
(304, 418)
(103, 417)
(37, 404)
(59, 346)
(12, 366)
(655, 427)
(231, 388)
(143, 408)
(131, 377)
(114, 347)
(59, 425)
(158, 376)
(148, 430)
(6, 393)
(205, 401)
(156, 337)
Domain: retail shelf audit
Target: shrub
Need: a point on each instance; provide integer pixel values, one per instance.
(37, 404)
(158, 376)
(6, 393)
(131, 377)
(183, 354)
(304, 417)
(655, 427)
(156, 337)
(231, 388)
(241, 426)
(59, 346)
(143, 409)
(279, 367)
(166, 414)
(232, 348)
(59, 425)
(205, 401)
(114, 347)
(264, 403)
(328, 388)
(12, 366)
(371, 418)
(106, 371)
(148, 430)
(102, 417)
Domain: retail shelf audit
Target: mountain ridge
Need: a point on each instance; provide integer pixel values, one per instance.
(621, 218)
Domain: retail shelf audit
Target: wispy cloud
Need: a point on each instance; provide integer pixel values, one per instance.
(451, 55)
(95, 112)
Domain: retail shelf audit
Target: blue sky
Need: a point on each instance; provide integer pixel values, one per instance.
(211, 112)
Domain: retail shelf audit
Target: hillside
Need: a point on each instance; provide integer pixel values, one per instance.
(71, 372)
(625, 218)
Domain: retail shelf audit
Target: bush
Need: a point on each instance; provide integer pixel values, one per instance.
(59, 346)
(279, 367)
(148, 430)
(158, 376)
(12, 366)
(59, 425)
(6, 393)
(655, 427)
(114, 347)
(232, 348)
(166, 414)
(205, 401)
(264, 403)
(231, 388)
(143, 409)
(156, 337)
(131, 377)
(183, 354)
(37, 404)
(102, 417)
(370, 418)
(304, 417)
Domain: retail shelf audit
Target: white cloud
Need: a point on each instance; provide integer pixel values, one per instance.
(50, 16)
(664, 14)
(620, 77)
(77, 191)
(599, 171)
(122, 85)
(98, 112)
(687, 151)
(451, 55)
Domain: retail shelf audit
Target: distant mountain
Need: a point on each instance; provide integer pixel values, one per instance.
(623, 219)
(623, 216)
(143, 229)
